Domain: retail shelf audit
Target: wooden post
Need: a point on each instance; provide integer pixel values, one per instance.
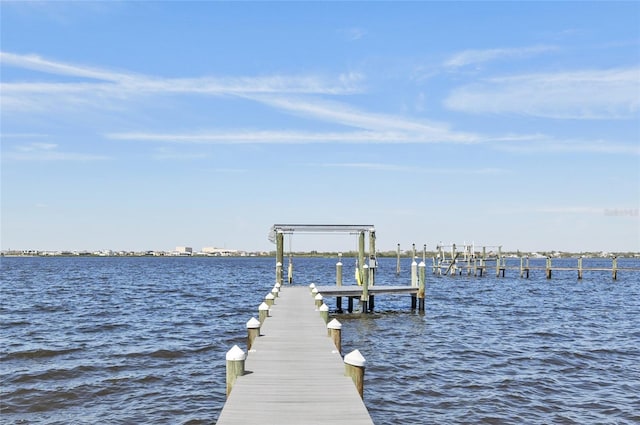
(521, 267)
(276, 292)
(421, 286)
(279, 255)
(548, 268)
(279, 272)
(324, 312)
(398, 261)
(372, 266)
(339, 281)
(350, 304)
(334, 329)
(354, 365)
(235, 366)
(453, 259)
(414, 273)
(528, 267)
(580, 268)
(360, 256)
(364, 298)
(263, 312)
(318, 299)
(614, 268)
(290, 271)
(414, 278)
(312, 286)
(269, 299)
(372, 301)
(253, 331)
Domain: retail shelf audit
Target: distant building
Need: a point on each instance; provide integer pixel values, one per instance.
(184, 250)
(219, 252)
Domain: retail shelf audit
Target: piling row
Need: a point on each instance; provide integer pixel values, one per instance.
(478, 266)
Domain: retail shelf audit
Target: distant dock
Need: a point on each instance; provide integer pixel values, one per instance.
(294, 372)
(468, 262)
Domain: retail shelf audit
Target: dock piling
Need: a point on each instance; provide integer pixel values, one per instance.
(364, 298)
(269, 299)
(339, 282)
(235, 366)
(580, 268)
(421, 286)
(354, 365)
(253, 331)
(334, 328)
(324, 312)
(263, 312)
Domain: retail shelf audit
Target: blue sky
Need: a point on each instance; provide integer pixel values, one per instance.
(148, 125)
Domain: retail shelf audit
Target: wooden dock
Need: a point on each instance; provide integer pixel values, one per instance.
(293, 372)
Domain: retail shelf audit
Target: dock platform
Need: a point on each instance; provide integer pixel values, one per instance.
(293, 372)
(356, 291)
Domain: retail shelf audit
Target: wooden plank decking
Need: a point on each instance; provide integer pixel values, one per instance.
(294, 374)
(354, 290)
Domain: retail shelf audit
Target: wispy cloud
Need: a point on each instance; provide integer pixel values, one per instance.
(475, 57)
(412, 169)
(47, 152)
(546, 144)
(125, 84)
(164, 153)
(37, 63)
(571, 210)
(386, 127)
(353, 34)
(593, 94)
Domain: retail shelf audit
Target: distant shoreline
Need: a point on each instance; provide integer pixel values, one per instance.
(312, 254)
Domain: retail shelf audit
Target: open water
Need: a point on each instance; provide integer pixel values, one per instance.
(142, 340)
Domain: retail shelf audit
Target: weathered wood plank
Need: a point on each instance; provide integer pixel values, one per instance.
(354, 290)
(294, 374)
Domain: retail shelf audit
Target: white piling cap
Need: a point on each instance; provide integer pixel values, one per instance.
(269, 296)
(421, 264)
(334, 324)
(365, 266)
(253, 323)
(413, 263)
(277, 285)
(236, 354)
(354, 358)
(275, 290)
(324, 307)
(278, 264)
(339, 263)
(314, 291)
(318, 297)
(313, 285)
(263, 306)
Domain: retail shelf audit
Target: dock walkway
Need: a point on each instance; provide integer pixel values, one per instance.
(293, 372)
